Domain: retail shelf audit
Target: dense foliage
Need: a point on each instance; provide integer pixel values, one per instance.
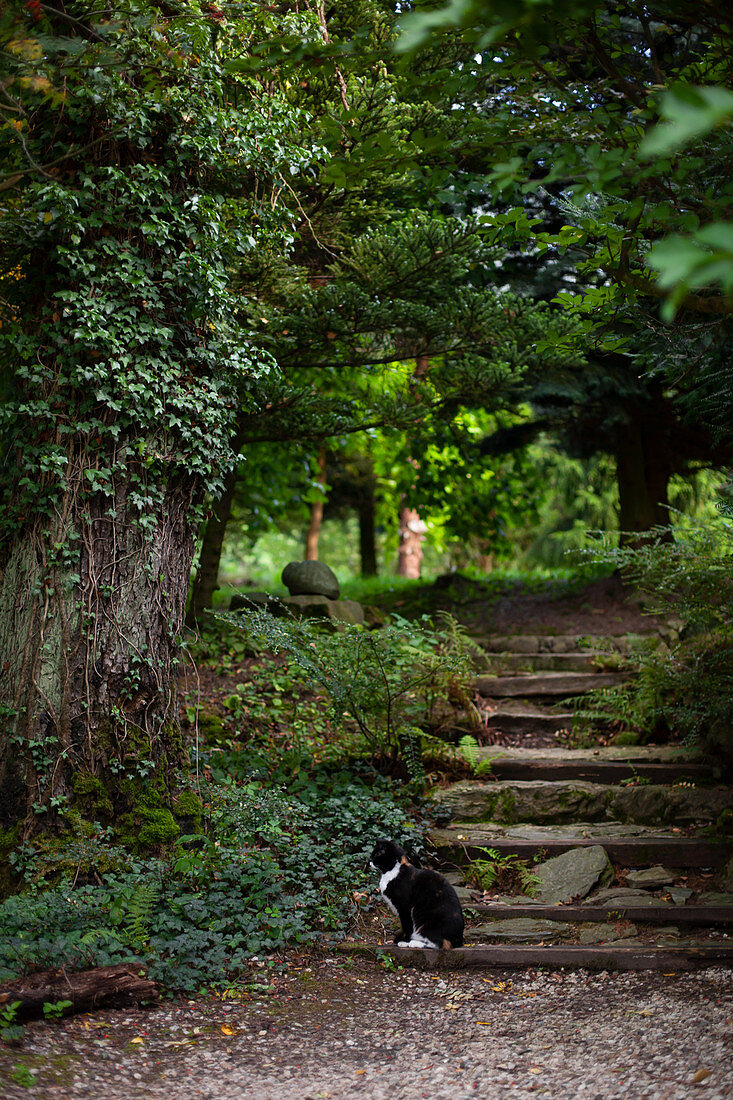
(686, 688)
(281, 864)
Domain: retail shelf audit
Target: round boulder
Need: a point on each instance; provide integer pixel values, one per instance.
(310, 578)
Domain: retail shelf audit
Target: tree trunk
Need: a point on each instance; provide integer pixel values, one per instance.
(206, 580)
(91, 616)
(367, 530)
(84, 991)
(316, 520)
(412, 532)
(643, 470)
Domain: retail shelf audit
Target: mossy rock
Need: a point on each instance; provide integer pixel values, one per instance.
(627, 737)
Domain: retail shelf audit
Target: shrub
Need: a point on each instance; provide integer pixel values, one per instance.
(686, 688)
(393, 683)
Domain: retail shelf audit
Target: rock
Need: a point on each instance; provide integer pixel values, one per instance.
(714, 897)
(249, 601)
(518, 930)
(572, 874)
(679, 894)
(465, 896)
(600, 933)
(310, 578)
(618, 896)
(650, 877)
(654, 804)
(522, 800)
(321, 607)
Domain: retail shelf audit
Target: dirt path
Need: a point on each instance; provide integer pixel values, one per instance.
(334, 1029)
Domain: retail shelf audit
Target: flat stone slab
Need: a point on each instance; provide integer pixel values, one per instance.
(556, 802)
(619, 896)
(628, 845)
(599, 933)
(572, 875)
(500, 664)
(650, 877)
(518, 930)
(590, 910)
(560, 643)
(561, 684)
(502, 956)
(629, 754)
(321, 607)
(608, 765)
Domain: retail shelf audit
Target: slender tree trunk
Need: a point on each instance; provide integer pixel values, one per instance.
(91, 616)
(643, 471)
(412, 528)
(316, 521)
(412, 532)
(206, 580)
(367, 530)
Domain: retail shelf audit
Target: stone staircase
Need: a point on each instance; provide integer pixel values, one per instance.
(625, 843)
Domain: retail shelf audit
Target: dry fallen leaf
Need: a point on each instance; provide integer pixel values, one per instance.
(226, 1030)
(701, 1075)
(137, 1039)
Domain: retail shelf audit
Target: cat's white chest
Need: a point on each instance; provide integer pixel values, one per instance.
(387, 877)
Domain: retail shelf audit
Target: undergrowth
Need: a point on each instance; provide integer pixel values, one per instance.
(277, 865)
(684, 689)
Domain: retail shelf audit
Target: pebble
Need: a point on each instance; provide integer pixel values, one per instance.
(402, 1035)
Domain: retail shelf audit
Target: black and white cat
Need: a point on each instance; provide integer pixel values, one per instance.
(426, 903)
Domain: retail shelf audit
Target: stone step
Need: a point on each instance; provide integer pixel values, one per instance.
(561, 643)
(513, 716)
(593, 766)
(499, 663)
(501, 956)
(661, 913)
(547, 802)
(562, 685)
(626, 845)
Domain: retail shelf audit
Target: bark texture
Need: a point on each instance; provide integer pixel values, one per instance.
(412, 532)
(103, 987)
(91, 616)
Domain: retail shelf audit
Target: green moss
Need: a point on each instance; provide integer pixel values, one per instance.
(158, 829)
(187, 809)
(211, 728)
(92, 797)
(627, 737)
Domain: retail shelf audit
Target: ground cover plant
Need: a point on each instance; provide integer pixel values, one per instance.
(272, 867)
(275, 856)
(394, 683)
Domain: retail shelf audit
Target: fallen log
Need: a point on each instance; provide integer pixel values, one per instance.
(85, 990)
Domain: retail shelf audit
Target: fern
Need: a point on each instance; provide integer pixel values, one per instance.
(140, 908)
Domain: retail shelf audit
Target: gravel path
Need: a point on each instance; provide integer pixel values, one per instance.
(341, 1029)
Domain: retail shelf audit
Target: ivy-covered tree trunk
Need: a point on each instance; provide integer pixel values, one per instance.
(313, 533)
(123, 364)
(91, 616)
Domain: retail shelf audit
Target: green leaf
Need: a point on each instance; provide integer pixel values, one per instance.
(688, 113)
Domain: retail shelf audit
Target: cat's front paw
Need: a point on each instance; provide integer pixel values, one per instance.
(402, 943)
